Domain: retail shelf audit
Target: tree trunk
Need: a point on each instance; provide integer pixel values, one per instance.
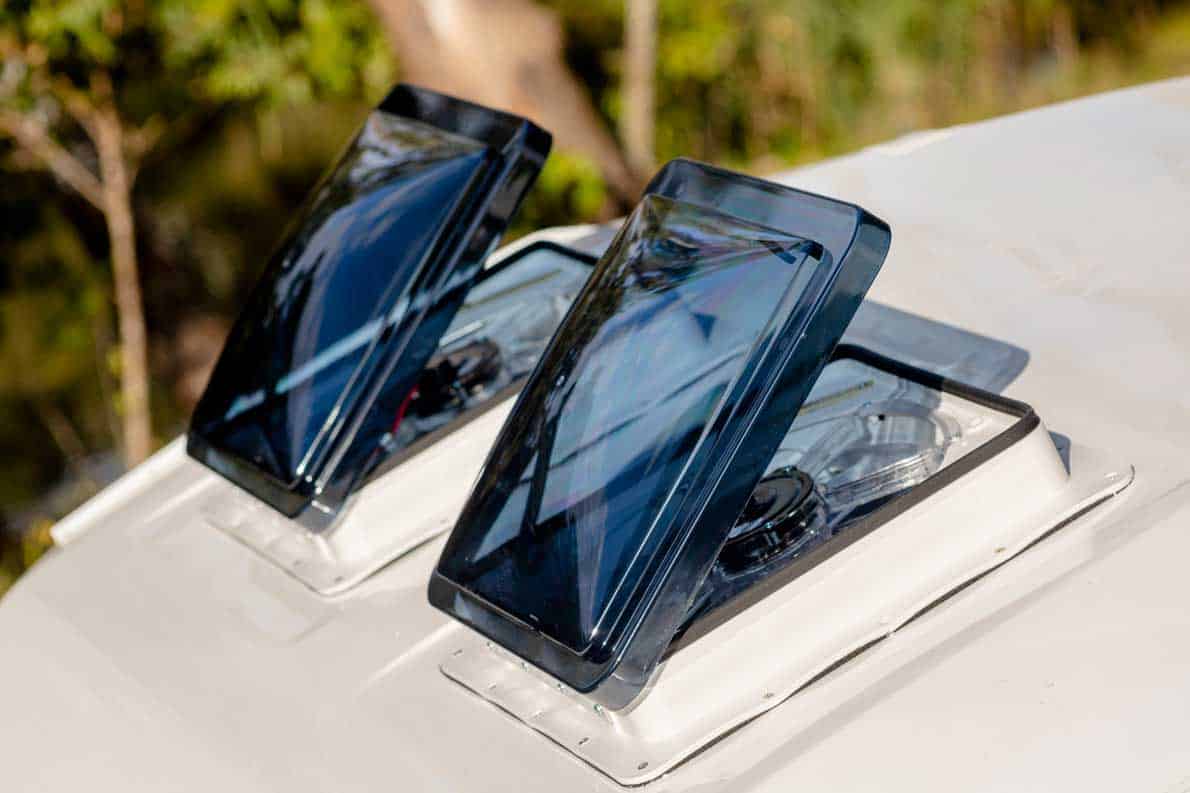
(506, 54)
(640, 64)
(1064, 35)
(134, 358)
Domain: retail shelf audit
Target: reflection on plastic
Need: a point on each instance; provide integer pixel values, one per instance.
(323, 307)
(495, 340)
(325, 356)
(570, 508)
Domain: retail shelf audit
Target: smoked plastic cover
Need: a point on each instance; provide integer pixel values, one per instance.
(649, 420)
(354, 301)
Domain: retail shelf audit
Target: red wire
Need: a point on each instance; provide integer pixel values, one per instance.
(401, 411)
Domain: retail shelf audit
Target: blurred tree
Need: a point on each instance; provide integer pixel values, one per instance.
(90, 88)
(764, 83)
(640, 76)
(506, 54)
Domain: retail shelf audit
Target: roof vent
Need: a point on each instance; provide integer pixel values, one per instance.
(766, 625)
(699, 504)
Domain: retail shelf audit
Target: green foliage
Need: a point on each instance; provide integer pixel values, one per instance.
(762, 83)
(211, 50)
(277, 50)
(72, 27)
(569, 190)
(48, 311)
(184, 62)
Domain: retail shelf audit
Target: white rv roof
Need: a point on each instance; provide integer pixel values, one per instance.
(153, 653)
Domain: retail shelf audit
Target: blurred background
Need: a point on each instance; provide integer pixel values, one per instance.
(152, 151)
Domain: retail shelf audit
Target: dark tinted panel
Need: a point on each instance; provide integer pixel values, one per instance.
(637, 441)
(323, 305)
(619, 406)
(353, 304)
(495, 340)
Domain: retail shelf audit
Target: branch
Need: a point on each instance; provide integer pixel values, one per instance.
(72, 100)
(36, 139)
(139, 142)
